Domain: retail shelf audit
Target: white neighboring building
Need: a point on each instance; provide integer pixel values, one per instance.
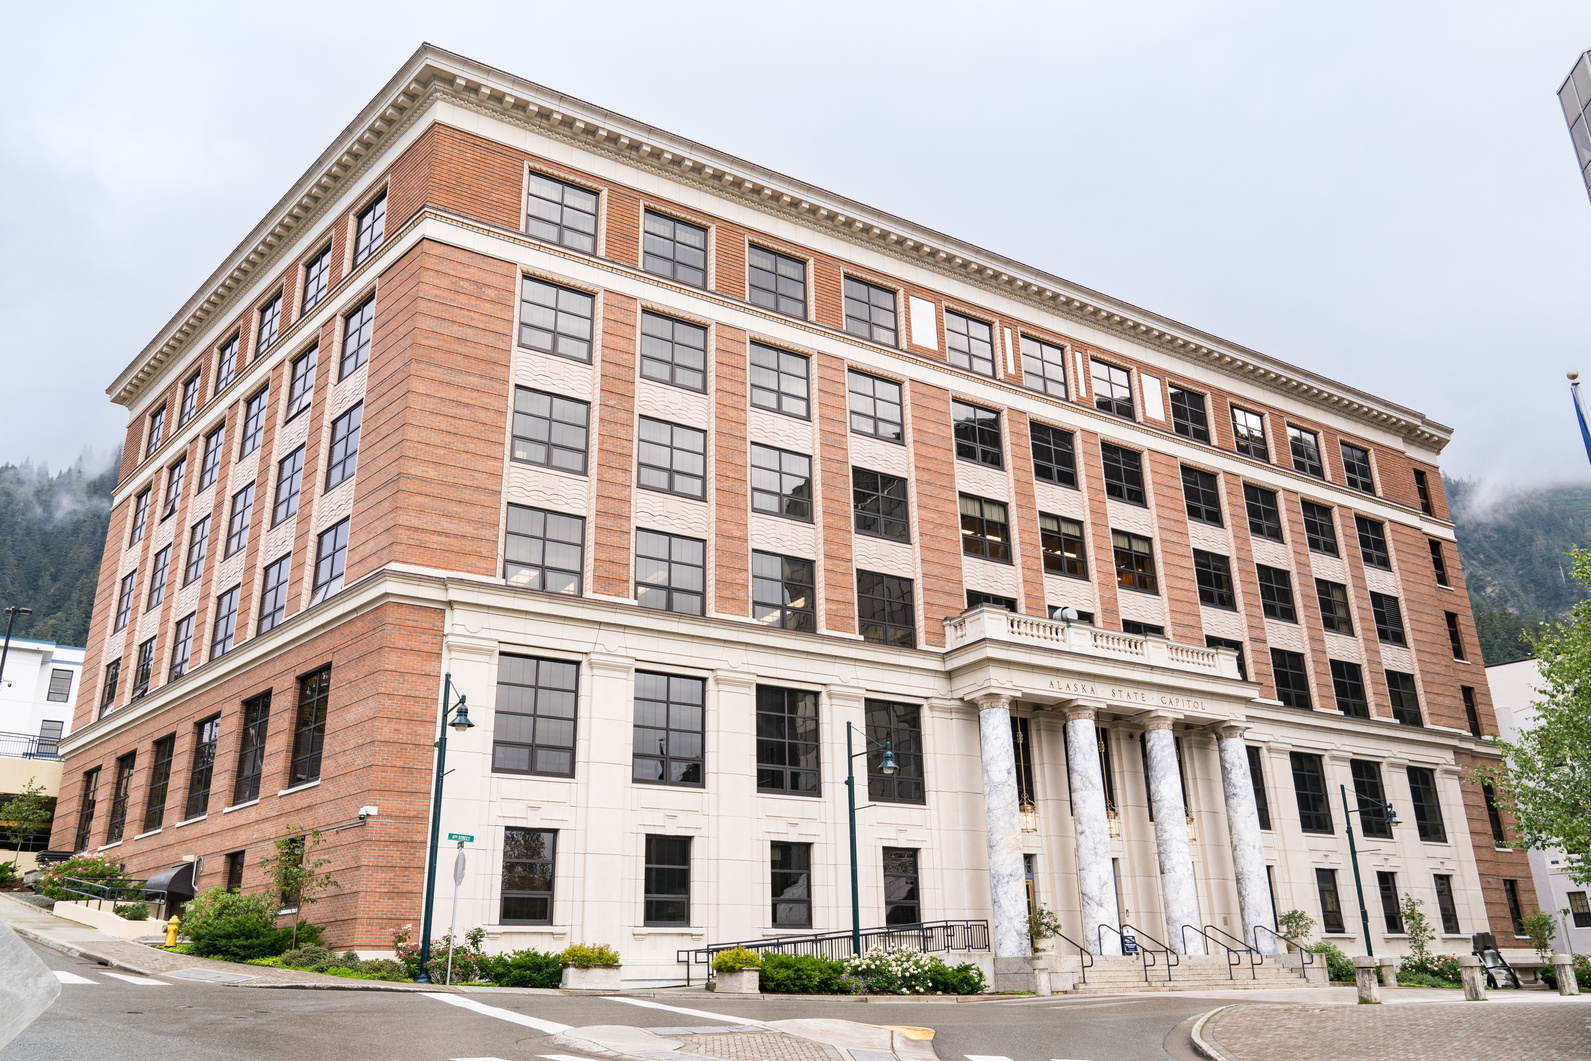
(1515, 687)
(37, 693)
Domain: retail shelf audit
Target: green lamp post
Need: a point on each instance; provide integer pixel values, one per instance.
(887, 766)
(460, 722)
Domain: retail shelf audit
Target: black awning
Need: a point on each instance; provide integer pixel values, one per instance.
(176, 881)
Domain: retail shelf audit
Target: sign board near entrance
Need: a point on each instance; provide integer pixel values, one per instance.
(461, 837)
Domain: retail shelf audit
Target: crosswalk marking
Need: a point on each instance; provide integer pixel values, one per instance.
(679, 1009)
(72, 978)
(559, 1057)
(550, 1027)
(141, 981)
(479, 1059)
(997, 1057)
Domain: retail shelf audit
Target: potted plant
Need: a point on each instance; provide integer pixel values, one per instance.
(1043, 925)
(736, 972)
(590, 967)
(1295, 927)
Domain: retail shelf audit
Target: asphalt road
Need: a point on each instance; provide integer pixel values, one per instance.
(101, 1016)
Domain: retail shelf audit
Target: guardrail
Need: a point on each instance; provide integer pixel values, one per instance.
(1306, 956)
(28, 746)
(115, 892)
(927, 936)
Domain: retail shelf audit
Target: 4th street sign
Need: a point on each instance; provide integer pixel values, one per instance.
(461, 838)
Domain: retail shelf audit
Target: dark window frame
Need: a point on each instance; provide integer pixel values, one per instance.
(1044, 366)
(858, 295)
(1112, 395)
(900, 726)
(251, 748)
(1391, 912)
(1294, 692)
(667, 884)
(664, 253)
(201, 768)
(872, 419)
(210, 464)
(673, 595)
(546, 427)
(198, 548)
(358, 329)
(86, 809)
(1134, 555)
(677, 720)
(121, 790)
(330, 564)
(978, 434)
(985, 532)
(1320, 527)
(1348, 688)
(1331, 919)
(886, 609)
(1356, 468)
(1264, 514)
(777, 479)
(181, 646)
(237, 532)
(289, 486)
(880, 505)
(1455, 637)
(778, 387)
(1427, 805)
(1304, 447)
(1438, 562)
(1370, 797)
(684, 466)
(223, 632)
(556, 320)
(1063, 546)
(370, 229)
(1373, 543)
(790, 883)
(1404, 698)
(270, 322)
(795, 587)
(1188, 416)
(1201, 495)
(1336, 616)
(273, 594)
(342, 459)
(164, 750)
(1309, 789)
(541, 870)
(522, 543)
(301, 382)
(255, 408)
(1276, 593)
(789, 742)
(538, 698)
(309, 726)
(317, 280)
(573, 206)
(1249, 436)
(1448, 909)
(1123, 474)
(1256, 773)
(902, 886)
(969, 349)
(1054, 456)
(1389, 619)
(1423, 490)
(673, 359)
(778, 284)
(1212, 574)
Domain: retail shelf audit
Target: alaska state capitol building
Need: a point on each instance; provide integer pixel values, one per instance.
(679, 466)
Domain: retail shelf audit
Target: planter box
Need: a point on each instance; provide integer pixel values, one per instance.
(739, 982)
(596, 978)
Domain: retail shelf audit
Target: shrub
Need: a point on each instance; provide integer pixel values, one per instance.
(964, 979)
(523, 968)
(1338, 965)
(82, 867)
(1440, 967)
(892, 971)
(1295, 924)
(1044, 923)
(791, 974)
(8, 873)
(1541, 928)
(132, 911)
(236, 927)
(587, 955)
(1420, 979)
(730, 961)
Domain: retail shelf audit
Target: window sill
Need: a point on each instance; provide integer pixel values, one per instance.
(240, 806)
(190, 821)
(1501, 848)
(299, 788)
(107, 847)
(668, 930)
(295, 414)
(151, 832)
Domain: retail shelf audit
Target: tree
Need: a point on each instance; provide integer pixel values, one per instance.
(1418, 929)
(27, 814)
(296, 872)
(1545, 779)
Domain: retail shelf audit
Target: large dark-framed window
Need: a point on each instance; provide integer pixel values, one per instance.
(1356, 468)
(1291, 677)
(1391, 912)
(555, 320)
(668, 742)
(273, 595)
(1334, 613)
(674, 249)
(969, 343)
(1201, 495)
(253, 421)
(780, 381)
(116, 825)
(670, 573)
(1423, 490)
(902, 904)
(667, 895)
(901, 727)
(790, 869)
(781, 482)
(551, 431)
(1319, 529)
(977, 598)
(190, 399)
(1331, 921)
(776, 281)
(1112, 389)
(270, 325)
(561, 213)
(1276, 593)
(1062, 545)
(124, 600)
(317, 280)
(1471, 714)
(985, 529)
(210, 464)
(1578, 906)
(1373, 543)
(885, 611)
(1305, 448)
(158, 572)
(331, 556)
(875, 406)
(198, 545)
(1404, 698)
(1264, 518)
(1235, 646)
(1449, 909)
(1347, 683)
(1438, 562)
(251, 748)
(301, 385)
(181, 646)
(1427, 806)
(343, 459)
(226, 362)
(529, 864)
(1213, 573)
(85, 810)
(1389, 619)
(289, 484)
(370, 229)
(1124, 474)
(673, 351)
(672, 459)
(1454, 637)
(1054, 458)
(1188, 417)
(202, 769)
(144, 671)
(159, 782)
(870, 311)
(1493, 814)
(1256, 773)
(879, 503)
(1135, 562)
(787, 741)
(60, 690)
(1309, 786)
(309, 727)
(977, 434)
(358, 326)
(783, 592)
(1248, 434)
(237, 531)
(1044, 366)
(1368, 793)
(174, 478)
(544, 550)
(533, 719)
(140, 516)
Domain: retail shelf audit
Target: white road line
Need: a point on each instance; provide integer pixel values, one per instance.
(487, 1059)
(986, 1057)
(688, 1012)
(550, 1027)
(141, 981)
(72, 978)
(549, 1057)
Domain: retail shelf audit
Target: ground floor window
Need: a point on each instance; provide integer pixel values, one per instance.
(668, 880)
(1330, 905)
(1515, 914)
(901, 904)
(234, 871)
(528, 858)
(85, 810)
(792, 885)
(1390, 910)
(1446, 906)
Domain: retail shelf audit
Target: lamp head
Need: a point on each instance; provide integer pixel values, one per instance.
(461, 718)
(887, 767)
(14, 610)
(1392, 817)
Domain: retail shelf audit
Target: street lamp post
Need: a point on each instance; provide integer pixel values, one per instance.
(1353, 853)
(461, 722)
(885, 767)
(11, 617)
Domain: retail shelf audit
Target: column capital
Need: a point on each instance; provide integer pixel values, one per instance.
(611, 666)
(1233, 730)
(1156, 719)
(732, 680)
(993, 701)
(1085, 709)
(844, 696)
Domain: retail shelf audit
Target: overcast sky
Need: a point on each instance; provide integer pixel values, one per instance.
(1382, 193)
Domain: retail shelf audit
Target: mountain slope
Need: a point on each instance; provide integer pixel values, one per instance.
(52, 535)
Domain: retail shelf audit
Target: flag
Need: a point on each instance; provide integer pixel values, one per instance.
(1579, 412)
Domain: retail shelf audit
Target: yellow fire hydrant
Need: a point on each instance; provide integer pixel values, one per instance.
(171, 930)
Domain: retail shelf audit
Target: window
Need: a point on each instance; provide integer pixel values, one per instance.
(1347, 682)
(1264, 518)
(357, 329)
(1454, 637)
(226, 622)
(1248, 434)
(1449, 909)
(273, 597)
(289, 478)
(309, 728)
(669, 574)
(675, 249)
(673, 458)
(781, 482)
(198, 541)
(210, 466)
(1515, 913)
(900, 726)
(1112, 389)
(145, 669)
(1213, 573)
(317, 279)
(1427, 807)
(551, 430)
(1137, 629)
(1292, 679)
(777, 281)
(1370, 798)
(124, 599)
(782, 592)
(159, 782)
(302, 385)
(60, 686)
(879, 502)
(875, 407)
(886, 614)
(1276, 594)
(174, 487)
(870, 311)
(181, 646)
(668, 733)
(1423, 489)
(331, 553)
(1200, 494)
(1438, 562)
(254, 421)
(1493, 815)
(370, 230)
(1235, 646)
(668, 881)
(533, 724)
(1404, 699)
(790, 867)
(1135, 562)
(1356, 468)
(344, 446)
(113, 673)
(555, 320)
(969, 343)
(1124, 474)
(140, 517)
(157, 578)
(561, 213)
(234, 871)
(779, 380)
(977, 434)
(901, 905)
(190, 399)
(975, 598)
(1058, 613)
(237, 534)
(85, 810)
(544, 550)
(1054, 460)
(1187, 415)
(251, 749)
(118, 806)
(673, 352)
(226, 363)
(1309, 784)
(1387, 884)
(1373, 543)
(529, 857)
(1470, 713)
(1306, 451)
(1256, 773)
(1319, 529)
(203, 767)
(1578, 907)
(1062, 545)
(787, 741)
(1334, 614)
(1044, 366)
(270, 324)
(1389, 618)
(985, 529)
(157, 430)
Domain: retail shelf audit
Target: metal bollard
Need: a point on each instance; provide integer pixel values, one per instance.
(1389, 972)
(1474, 977)
(1364, 975)
(171, 930)
(1563, 965)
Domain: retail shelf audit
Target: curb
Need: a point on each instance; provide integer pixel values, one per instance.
(1201, 1045)
(79, 952)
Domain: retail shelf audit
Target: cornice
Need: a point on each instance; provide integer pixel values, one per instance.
(433, 73)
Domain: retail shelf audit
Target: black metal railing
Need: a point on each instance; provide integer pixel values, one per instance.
(1306, 956)
(1255, 958)
(27, 746)
(1146, 955)
(1232, 960)
(1085, 960)
(927, 936)
(116, 892)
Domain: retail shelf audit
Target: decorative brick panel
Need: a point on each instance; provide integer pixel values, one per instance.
(937, 522)
(731, 493)
(614, 537)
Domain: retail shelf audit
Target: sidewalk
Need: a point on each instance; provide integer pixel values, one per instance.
(777, 1040)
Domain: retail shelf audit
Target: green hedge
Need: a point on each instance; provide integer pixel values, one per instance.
(523, 968)
(790, 974)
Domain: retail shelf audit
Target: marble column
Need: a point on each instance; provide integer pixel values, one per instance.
(1096, 878)
(1248, 852)
(1177, 889)
(1007, 881)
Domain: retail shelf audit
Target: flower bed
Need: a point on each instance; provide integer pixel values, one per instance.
(881, 971)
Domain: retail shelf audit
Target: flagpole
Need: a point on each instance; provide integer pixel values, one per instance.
(1580, 411)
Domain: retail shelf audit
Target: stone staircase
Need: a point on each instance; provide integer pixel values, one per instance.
(1109, 975)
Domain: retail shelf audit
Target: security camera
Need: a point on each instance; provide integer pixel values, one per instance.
(368, 812)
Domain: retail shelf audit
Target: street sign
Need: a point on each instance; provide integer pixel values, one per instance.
(461, 837)
(458, 871)
(1129, 943)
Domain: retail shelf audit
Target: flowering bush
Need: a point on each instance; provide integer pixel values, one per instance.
(892, 971)
(1438, 967)
(468, 961)
(82, 867)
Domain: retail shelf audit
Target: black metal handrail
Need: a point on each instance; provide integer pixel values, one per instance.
(926, 936)
(1084, 958)
(1255, 958)
(1171, 955)
(1232, 961)
(28, 746)
(1146, 955)
(116, 892)
(1307, 956)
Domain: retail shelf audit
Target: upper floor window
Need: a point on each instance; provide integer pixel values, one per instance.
(174, 476)
(317, 278)
(1201, 495)
(779, 380)
(1062, 545)
(977, 433)
(145, 669)
(550, 430)
(309, 727)
(1471, 713)
(969, 343)
(270, 325)
(157, 578)
(273, 597)
(198, 542)
(226, 363)
(1124, 474)
(1135, 562)
(1347, 683)
(1248, 434)
(885, 611)
(190, 399)
(1423, 489)
(254, 421)
(331, 556)
(251, 751)
(985, 529)
(1054, 459)
(226, 622)
(1356, 468)
(670, 717)
(1187, 415)
(1264, 518)
(673, 458)
(781, 482)
(533, 725)
(1112, 389)
(289, 480)
(1044, 366)
(124, 600)
(900, 726)
(875, 406)
(1320, 530)
(371, 229)
(1213, 573)
(302, 385)
(669, 572)
(880, 505)
(1291, 677)
(1438, 562)
(787, 741)
(561, 213)
(544, 550)
(673, 352)
(870, 311)
(1276, 594)
(237, 535)
(777, 281)
(344, 456)
(60, 690)
(555, 320)
(113, 673)
(140, 516)
(157, 430)
(1404, 698)
(1389, 619)
(210, 466)
(357, 329)
(675, 249)
(782, 592)
(1305, 447)
(202, 769)
(1373, 543)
